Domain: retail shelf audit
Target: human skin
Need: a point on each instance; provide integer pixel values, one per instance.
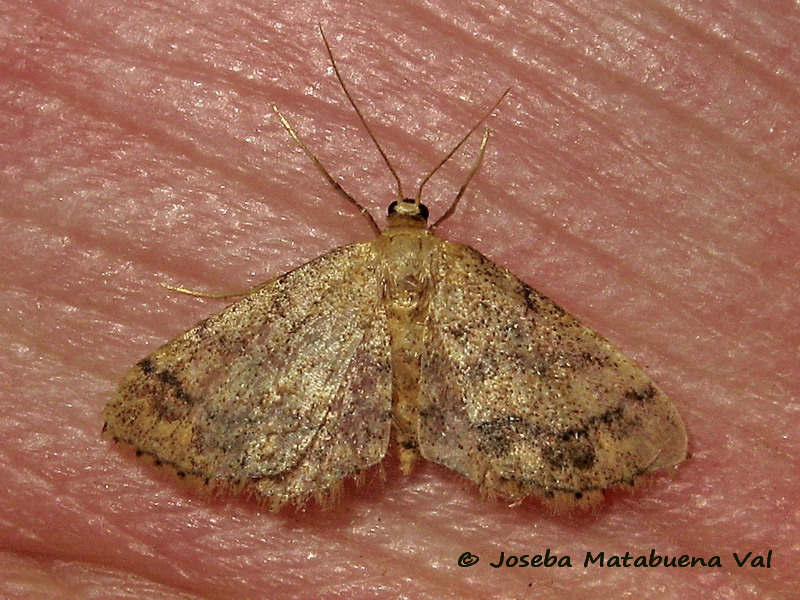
(643, 173)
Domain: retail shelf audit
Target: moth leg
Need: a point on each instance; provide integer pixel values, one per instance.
(219, 295)
(449, 212)
(336, 185)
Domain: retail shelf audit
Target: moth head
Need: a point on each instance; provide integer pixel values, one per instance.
(407, 211)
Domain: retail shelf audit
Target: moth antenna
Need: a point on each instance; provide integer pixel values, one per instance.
(418, 197)
(336, 185)
(449, 212)
(400, 195)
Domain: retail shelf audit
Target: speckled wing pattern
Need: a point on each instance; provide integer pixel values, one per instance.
(521, 398)
(283, 394)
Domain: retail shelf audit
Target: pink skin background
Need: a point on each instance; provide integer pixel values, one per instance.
(643, 173)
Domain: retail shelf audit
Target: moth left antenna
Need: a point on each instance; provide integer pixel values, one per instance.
(400, 195)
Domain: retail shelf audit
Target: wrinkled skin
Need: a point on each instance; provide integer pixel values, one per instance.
(643, 174)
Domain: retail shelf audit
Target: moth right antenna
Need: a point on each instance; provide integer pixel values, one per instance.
(458, 145)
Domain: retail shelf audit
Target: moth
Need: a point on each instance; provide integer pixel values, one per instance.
(303, 382)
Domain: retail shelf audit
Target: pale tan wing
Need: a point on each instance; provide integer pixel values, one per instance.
(520, 397)
(284, 393)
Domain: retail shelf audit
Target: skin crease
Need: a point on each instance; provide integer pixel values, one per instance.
(643, 173)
